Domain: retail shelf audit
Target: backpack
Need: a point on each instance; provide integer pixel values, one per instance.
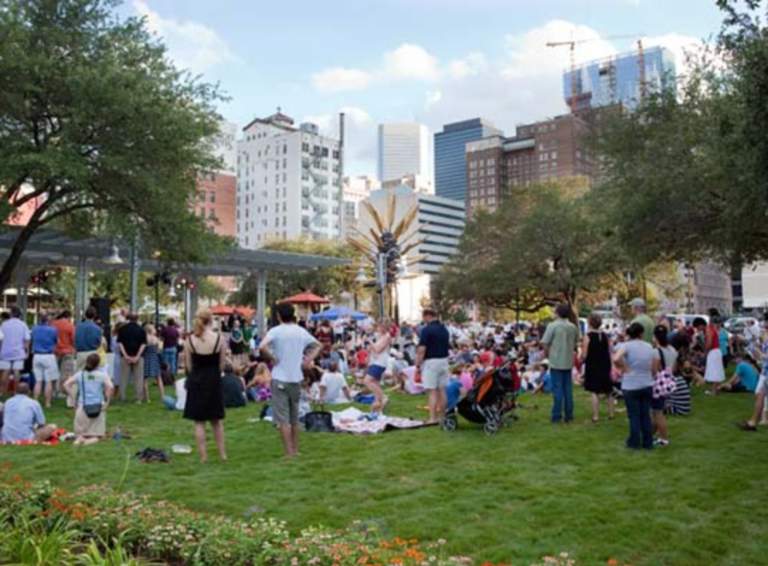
(664, 383)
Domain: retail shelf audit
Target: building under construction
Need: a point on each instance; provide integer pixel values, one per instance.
(622, 79)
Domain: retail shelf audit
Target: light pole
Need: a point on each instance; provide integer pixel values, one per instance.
(155, 281)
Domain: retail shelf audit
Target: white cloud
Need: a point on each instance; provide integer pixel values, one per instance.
(433, 97)
(410, 61)
(192, 45)
(338, 79)
(467, 66)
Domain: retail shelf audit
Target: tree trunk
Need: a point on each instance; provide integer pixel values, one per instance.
(17, 250)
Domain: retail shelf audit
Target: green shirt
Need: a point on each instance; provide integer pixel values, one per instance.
(648, 326)
(560, 337)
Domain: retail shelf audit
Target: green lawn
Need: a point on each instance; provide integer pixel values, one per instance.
(534, 489)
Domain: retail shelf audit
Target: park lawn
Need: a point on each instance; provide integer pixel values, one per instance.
(534, 489)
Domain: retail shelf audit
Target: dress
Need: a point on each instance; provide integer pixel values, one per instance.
(597, 372)
(151, 362)
(205, 394)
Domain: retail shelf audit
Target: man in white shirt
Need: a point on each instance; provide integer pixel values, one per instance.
(292, 348)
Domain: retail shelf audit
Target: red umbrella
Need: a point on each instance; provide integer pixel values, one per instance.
(306, 298)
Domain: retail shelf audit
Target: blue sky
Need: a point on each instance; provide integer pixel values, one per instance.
(434, 61)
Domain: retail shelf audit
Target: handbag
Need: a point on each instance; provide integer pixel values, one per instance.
(92, 410)
(319, 421)
(664, 384)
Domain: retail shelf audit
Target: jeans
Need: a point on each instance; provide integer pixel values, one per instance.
(638, 402)
(562, 393)
(170, 357)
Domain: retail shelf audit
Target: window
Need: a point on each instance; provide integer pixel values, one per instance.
(490, 161)
(285, 150)
(285, 178)
(336, 154)
(553, 155)
(277, 221)
(212, 197)
(285, 221)
(285, 206)
(324, 152)
(473, 164)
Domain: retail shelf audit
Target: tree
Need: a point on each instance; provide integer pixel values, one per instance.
(544, 246)
(685, 177)
(326, 281)
(100, 129)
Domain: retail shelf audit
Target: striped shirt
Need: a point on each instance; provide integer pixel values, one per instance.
(679, 403)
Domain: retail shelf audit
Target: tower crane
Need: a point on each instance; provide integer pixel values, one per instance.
(572, 49)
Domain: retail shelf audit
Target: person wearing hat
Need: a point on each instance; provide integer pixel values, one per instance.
(641, 317)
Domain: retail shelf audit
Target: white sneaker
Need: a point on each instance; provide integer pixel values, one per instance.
(661, 442)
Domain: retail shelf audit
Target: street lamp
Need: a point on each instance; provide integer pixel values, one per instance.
(114, 256)
(155, 281)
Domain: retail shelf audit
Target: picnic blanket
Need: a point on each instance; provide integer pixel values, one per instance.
(349, 420)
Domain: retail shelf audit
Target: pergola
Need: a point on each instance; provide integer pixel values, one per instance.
(49, 247)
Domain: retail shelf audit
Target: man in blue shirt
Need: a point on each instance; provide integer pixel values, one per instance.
(23, 418)
(44, 365)
(88, 337)
(432, 362)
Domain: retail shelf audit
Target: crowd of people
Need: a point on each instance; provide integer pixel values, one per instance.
(646, 368)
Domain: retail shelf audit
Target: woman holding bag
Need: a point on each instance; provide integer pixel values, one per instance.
(93, 391)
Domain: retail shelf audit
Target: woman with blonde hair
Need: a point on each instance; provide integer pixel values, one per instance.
(151, 359)
(204, 359)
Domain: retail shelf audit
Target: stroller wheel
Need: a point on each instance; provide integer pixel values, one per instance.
(491, 428)
(450, 423)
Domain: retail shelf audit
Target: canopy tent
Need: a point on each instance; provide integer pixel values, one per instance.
(334, 313)
(306, 298)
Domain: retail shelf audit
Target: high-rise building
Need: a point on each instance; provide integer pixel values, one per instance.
(418, 183)
(539, 152)
(404, 149)
(288, 182)
(620, 79)
(450, 158)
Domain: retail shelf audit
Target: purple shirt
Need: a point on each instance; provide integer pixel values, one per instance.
(15, 333)
(170, 336)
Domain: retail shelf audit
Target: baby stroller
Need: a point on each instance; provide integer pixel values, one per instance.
(492, 396)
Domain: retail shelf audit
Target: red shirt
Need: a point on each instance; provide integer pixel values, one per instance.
(66, 342)
(362, 358)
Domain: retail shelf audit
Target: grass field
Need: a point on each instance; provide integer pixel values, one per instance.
(534, 489)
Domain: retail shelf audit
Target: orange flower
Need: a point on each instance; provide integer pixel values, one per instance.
(613, 562)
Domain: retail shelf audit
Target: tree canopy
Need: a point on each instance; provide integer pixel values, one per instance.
(546, 245)
(685, 177)
(100, 129)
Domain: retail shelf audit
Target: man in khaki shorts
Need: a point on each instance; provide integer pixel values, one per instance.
(432, 362)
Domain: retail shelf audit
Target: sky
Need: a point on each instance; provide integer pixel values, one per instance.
(431, 61)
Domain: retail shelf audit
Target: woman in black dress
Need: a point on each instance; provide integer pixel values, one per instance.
(204, 357)
(596, 352)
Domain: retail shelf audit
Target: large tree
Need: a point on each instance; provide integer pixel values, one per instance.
(544, 245)
(685, 177)
(100, 129)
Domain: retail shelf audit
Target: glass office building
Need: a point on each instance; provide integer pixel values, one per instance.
(617, 79)
(450, 155)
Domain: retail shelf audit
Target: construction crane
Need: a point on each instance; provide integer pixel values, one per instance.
(572, 49)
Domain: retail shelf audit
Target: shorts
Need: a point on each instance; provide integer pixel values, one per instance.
(45, 368)
(435, 373)
(66, 365)
(285, 402)
(376, 372)
(11, 365)
(762, 385)
(658, 404)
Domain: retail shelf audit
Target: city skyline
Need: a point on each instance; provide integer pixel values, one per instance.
(443, 61)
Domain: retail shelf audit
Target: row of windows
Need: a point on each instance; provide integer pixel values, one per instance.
(546, 156)
(202, 194)
(474, 164)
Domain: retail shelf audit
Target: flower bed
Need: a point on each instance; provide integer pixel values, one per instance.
(96, 525)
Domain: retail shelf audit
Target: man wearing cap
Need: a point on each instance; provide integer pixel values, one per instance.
(432, 362)
(638, 309)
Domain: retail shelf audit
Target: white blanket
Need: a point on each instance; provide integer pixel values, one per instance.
(349, 420)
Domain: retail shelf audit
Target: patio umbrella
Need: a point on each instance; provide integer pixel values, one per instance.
(306, 298)
(338, 312)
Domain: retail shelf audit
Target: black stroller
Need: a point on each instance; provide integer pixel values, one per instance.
(492, 396)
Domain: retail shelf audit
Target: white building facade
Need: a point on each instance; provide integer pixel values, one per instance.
(355, 191)
(288, 183)
(404, 149)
